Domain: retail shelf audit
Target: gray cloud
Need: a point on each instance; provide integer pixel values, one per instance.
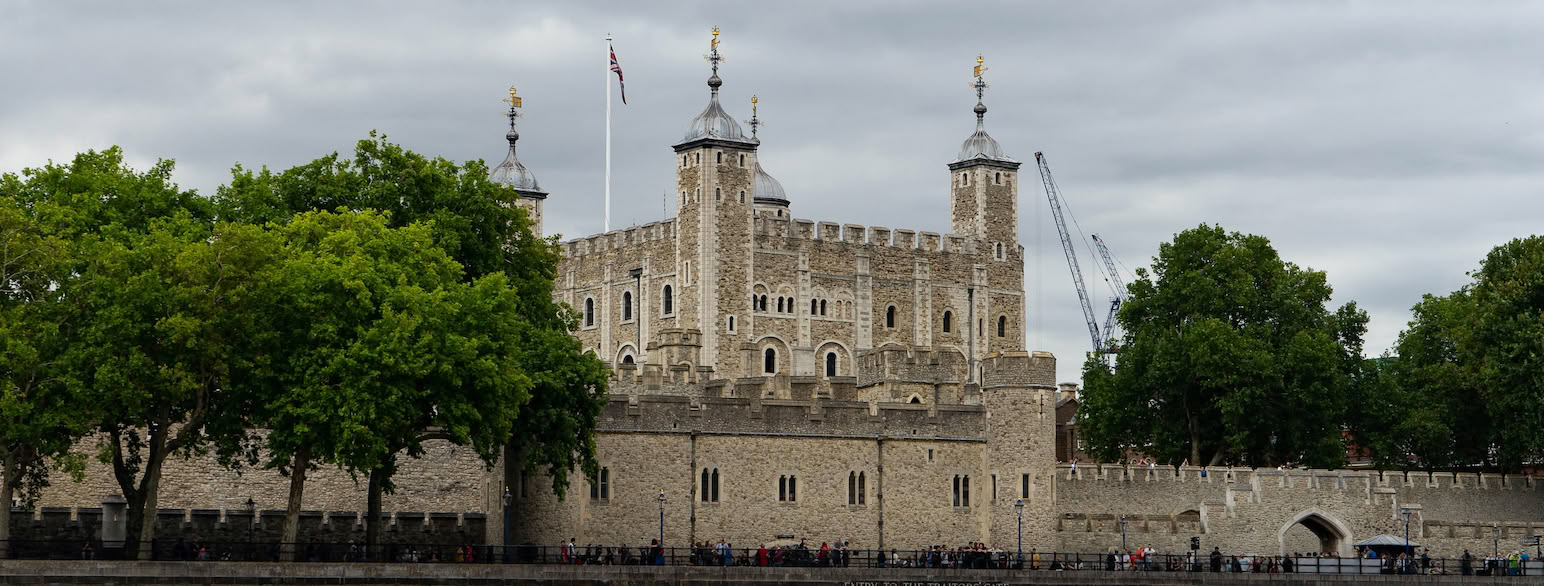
(1391, 144)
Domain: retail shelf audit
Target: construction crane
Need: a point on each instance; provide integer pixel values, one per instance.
(1117, 286)
(1054, 196)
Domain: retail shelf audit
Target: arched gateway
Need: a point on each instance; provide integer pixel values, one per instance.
(1333, 534)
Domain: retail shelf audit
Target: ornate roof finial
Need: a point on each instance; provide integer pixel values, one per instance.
(980, 85)
(514, 103)
(714, 58)
(754, 121)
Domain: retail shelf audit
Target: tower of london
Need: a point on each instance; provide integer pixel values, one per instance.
(777, 378)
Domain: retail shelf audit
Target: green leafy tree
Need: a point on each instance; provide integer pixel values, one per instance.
(1505, 349)
(150, 291)
(40, 417)
(1229, 356)
(480, 224)
(375, 344)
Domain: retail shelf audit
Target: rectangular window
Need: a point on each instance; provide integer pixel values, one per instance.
(994, 488)
(605, 484)
(1024, 486)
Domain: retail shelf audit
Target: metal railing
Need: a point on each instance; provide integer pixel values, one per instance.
(941, 559)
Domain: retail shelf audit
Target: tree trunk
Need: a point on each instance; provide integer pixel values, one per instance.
(298, 466)
(7, 472)
(1195, 438)
(373, 515)
(149, 491)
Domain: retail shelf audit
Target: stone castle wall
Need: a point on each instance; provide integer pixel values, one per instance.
(1260, 509)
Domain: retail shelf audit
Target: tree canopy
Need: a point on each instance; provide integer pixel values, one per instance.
(1229, 355)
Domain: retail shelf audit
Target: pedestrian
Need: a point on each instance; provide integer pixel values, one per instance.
(1216, 560)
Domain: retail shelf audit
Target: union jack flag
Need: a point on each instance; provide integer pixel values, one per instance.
(618, 69)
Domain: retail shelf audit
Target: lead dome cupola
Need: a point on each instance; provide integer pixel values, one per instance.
(980, 145)
(511, 172)
(714, 122)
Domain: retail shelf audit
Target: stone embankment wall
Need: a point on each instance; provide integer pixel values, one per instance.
(1273, 511)
(447, 478)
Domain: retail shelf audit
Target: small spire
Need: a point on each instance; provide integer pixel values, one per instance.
(754, 121)
(980, 85)
(514, 103)
(714, 58)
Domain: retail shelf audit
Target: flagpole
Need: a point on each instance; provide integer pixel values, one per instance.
(607, 224)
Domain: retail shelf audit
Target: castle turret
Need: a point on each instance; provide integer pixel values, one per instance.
(985, 184)
(715, 165)
(1019, 392)
(512, 173)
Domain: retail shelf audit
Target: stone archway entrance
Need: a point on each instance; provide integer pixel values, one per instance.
(1313, 525)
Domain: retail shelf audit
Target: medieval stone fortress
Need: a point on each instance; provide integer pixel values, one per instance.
(780, 378)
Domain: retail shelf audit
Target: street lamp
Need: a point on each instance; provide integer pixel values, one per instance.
(251, 526)
(508, 525)
(1405, 512)
(1019, 507)
(1123, 533)
(660, 554)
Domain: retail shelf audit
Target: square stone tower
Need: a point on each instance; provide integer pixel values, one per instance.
(715, 191)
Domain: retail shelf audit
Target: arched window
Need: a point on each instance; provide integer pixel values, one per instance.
(731, 324)
(852, 488)
(822, 307)
(763, 302)
(605, 484)
(965, 490)
(666, 301)
(720, 158)
(782, 489)
(627, 359)
(779, 304)
(716, 195)
(861, 490)
(916, 400)
(890, 316)
(742, 191)
(948, 316)
(627, 305)
(793, 488)
(956, 490)
(589, 312)
(686, 273)
(830, 364)
(814, 307)
(715, 485)
(769, 361)
(1002, 325)
(742, 164)
(997, 178)
(698, 157)
(704, 492)
(999, 251)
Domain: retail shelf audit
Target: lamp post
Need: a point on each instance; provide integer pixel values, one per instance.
(1405, 513)
(508, 524)
(660, 554)
(1019, 507)
(251, 526)
(1123, 533)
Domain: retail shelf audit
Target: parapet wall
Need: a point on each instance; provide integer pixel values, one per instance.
(239, 526)
(852, 419)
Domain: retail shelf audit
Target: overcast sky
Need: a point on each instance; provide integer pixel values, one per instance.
(1391, 144)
